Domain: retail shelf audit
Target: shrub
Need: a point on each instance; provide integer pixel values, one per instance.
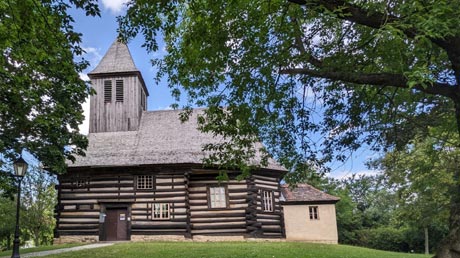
(383, 238)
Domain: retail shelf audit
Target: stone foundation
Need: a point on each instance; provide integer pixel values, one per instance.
(178, 238)
(325, 241)
(199, 238)
(76, 239)
(145, 238)
(266, 239)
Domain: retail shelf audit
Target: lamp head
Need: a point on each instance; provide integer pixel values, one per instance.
(20, 167)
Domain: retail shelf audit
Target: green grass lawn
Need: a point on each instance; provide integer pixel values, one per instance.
(233, 250)
(38, 249)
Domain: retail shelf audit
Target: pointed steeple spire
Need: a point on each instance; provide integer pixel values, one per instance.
(117, 59)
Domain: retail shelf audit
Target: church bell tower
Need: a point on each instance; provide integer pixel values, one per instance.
(121, 94)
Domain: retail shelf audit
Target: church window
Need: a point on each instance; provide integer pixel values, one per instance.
(267, 198)
(119, 90)
(161, 211)
(107, 91)
(217, 197)
(144, 182)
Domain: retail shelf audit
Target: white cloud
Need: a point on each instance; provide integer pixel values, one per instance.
(115, 6)
(342, 174)
(84, 127)
(84, 76)
(163, 108)
(92, 55)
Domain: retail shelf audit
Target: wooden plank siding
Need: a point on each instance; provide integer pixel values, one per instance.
(116, 115)
(83, 196)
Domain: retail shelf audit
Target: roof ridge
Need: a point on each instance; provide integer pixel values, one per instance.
(174, 110)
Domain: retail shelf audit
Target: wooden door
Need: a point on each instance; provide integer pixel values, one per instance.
(116, 224)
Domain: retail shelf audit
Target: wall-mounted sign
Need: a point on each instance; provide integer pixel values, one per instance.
(101, 217)
(122, 216)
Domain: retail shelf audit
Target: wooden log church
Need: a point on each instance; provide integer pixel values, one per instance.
(142, 177)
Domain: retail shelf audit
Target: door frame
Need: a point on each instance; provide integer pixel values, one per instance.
(111, 205)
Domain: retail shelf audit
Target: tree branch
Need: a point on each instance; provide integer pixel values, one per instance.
(301, 47)
(376, 20)
(376, 79)
(355, 13)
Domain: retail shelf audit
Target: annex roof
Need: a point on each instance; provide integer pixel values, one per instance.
(161, 139)
(305, 193)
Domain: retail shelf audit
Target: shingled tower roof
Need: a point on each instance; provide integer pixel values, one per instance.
(117, 59)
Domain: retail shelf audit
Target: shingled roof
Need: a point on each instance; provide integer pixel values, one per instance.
(161, 139)
(117, 59)
(306, 194)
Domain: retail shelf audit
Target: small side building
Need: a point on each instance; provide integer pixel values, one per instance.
(309, 214)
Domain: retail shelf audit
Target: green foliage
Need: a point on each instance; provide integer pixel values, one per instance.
(7, 223)
(312, 83)
(422, 175)
(40, 89)
(7, 188)
(383, 238)
(38, 200)
(372, 213)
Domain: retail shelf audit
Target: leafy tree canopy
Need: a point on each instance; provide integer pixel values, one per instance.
(40, 89)
(323, 76)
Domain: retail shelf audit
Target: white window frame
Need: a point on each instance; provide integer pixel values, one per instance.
(267, 201)
(161, 211)
(144, 182)
(217, 197)
(314, 212)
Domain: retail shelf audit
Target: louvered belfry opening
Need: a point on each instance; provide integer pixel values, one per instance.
(119, 90)
(107, 91)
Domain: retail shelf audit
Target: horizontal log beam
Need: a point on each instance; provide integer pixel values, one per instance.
(217, 215)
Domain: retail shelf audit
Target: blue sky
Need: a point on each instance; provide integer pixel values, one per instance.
(100, 32)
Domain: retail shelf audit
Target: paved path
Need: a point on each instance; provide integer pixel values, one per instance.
(63, 250)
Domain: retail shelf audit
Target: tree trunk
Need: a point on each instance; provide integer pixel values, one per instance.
(450, 245)
(427, 241)
(36, 240)
(8, 242)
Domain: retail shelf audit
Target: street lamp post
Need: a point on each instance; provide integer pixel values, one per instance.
(20, 169)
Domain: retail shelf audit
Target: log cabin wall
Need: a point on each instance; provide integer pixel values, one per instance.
(268, 219)
(85, 195)
(79, 196)
(224, 221)
(169, 189)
